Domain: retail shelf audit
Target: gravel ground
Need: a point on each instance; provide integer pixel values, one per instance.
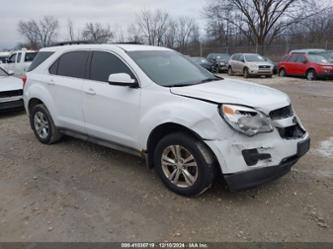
(76, 191)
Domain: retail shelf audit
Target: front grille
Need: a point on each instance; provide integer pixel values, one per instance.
(282, 113)
(292, 132)
(264, 67)
(11, 93)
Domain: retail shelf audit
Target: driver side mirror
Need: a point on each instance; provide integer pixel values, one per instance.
(122, 79)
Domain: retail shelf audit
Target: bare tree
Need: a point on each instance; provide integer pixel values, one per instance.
(186, 31)
(153, 26)
(40, 33)
(70, 30)
(260, 21)
(96, 32)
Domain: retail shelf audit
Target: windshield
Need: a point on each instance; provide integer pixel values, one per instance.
(254, 58)
(200, 60)
(317, 58)
(222, 57)
(2, 73)
(328, 56)
(170, 69)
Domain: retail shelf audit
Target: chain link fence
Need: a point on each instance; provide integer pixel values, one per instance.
(274, 52)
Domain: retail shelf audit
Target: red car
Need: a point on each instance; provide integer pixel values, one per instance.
(310, 65)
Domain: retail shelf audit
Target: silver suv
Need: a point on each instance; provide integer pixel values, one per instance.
(250, 65)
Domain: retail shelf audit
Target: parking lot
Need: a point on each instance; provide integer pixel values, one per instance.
(76, 191)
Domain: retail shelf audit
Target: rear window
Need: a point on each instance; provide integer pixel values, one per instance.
(71, 64)
(29, 56)
(39, 59)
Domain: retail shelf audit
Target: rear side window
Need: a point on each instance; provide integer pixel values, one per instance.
(72, 64)
(29, 56)
(103, 64)
(39, 59)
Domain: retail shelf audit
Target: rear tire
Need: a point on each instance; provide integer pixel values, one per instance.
(43, 126)
(311, 75)
(184, 164)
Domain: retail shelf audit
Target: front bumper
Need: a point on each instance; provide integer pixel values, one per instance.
(254, 178)
(250, 161)
(260, 72)
(9, 105)
(325, 75)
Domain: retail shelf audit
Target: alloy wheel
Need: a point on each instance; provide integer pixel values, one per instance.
(179, 166)
(41, 124)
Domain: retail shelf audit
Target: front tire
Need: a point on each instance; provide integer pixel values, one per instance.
(282, 73)
(246, 73)
(181, 163)
(311, 75)
(43, 126)
(230, 72)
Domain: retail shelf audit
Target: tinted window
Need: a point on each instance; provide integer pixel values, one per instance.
(39, 59)
(19, 55)
(29, 56)
(72, 64)
(103, 64)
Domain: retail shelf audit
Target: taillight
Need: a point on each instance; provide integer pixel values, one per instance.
(24, 79)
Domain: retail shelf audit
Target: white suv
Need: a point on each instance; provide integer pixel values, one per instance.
(190, 125)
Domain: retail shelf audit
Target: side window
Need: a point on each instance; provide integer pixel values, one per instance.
(39, 59)
(301, 59)
(29, 57)
(241, 58)
(18, 59)
(103, 64)
(72, 64)
(12, 58)
(293, 58)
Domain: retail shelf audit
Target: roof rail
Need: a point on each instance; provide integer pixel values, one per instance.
(64, 43)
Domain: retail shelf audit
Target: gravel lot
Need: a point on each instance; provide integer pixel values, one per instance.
(76, 191)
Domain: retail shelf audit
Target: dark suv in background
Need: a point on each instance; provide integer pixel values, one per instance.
(219, 61)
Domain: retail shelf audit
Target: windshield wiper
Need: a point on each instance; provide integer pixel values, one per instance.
(209, 80)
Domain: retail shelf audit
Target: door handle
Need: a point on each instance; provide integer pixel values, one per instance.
(91, 91)
(51, 82)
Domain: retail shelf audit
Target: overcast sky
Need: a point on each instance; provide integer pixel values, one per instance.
(117, 13)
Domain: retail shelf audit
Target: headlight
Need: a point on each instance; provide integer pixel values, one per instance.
(246, 120)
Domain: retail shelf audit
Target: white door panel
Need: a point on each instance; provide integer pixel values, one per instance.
(112, 112)
(68, 98)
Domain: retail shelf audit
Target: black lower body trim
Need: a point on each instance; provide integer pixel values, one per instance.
(5, 106)
(254, 178)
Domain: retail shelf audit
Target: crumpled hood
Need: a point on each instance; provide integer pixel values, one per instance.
(10, 83)
(239, 92)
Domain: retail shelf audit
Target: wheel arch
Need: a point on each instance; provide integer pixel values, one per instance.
(163, 130)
